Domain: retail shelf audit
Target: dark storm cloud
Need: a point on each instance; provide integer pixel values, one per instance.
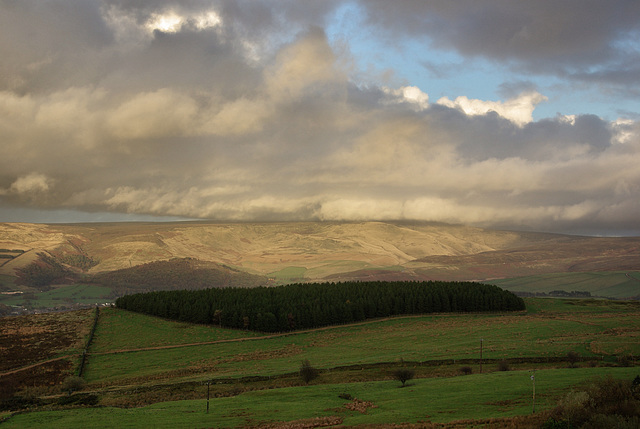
(568, 37)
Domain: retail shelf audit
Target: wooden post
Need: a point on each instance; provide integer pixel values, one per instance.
(533, 380)
(208, 397)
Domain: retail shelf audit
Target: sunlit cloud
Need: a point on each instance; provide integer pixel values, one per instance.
(171, 21)
(518, 110)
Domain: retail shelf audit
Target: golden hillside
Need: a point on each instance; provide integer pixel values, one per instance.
(318, 250)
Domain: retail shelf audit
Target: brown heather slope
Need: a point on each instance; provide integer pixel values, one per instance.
(325, 250)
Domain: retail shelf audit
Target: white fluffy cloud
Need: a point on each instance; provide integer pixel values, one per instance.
(409, 94)
(518, 110)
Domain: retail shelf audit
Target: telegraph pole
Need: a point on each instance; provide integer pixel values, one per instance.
(533, 380)
(208, 397)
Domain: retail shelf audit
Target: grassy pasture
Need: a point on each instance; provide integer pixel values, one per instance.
(288, 275)
(125, 330)
(617, 284)
(355, 359)
(439, 400)
(594, 329)
(62, 295)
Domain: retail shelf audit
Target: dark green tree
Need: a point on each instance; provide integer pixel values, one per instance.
(403, 375)
(307, 372)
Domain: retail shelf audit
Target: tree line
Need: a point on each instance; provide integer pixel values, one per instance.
(312, 305)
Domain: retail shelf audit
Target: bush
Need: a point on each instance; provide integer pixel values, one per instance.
(503, 365)
(466, 370)
(606, 402)
(625, 361)
(308, 372)
(72, 383)
(403, 375)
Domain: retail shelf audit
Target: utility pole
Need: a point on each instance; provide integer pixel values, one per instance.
(533, 380)
(208, 382)
(481, 340)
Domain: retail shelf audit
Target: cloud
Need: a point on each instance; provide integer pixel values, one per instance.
(222, 112)
(409, 94)
(550, 36)
(518, 110)
(33, 182)
(30, 188)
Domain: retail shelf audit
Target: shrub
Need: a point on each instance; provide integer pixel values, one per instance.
(403, 375)
(573, 358)
(605, 402)
(72, 383)
(466, 370)
(624, 361)
(308, 372)
(503, 365)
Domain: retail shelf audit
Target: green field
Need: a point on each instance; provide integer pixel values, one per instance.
(618, 284)
(124, 330)
(160, 367)
(61, 295)
(288, 275)
(439, 400)
(593, 329)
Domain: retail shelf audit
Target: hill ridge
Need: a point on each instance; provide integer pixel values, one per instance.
(312, 251)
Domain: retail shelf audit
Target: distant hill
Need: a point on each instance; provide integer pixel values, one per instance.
(278, 253)
(175, 274)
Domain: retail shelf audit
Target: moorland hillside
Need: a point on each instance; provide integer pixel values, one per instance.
(288, 252)
(323, 249)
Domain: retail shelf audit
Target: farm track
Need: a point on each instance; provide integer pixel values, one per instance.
(37, 364)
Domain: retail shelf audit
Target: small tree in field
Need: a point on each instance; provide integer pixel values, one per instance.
(573, 357)
(308, 372)
(403, 375)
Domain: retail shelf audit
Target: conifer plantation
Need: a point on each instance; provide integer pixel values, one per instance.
(304, 306)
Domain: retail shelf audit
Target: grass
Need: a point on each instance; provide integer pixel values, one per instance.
(62, 295)
(6, 283)
(555, 328)
(439, 400)
(356, 359)
(124, 330)
(617, 284)
(288, 275)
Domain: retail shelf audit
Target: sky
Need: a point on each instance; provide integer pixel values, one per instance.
(492, 113)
